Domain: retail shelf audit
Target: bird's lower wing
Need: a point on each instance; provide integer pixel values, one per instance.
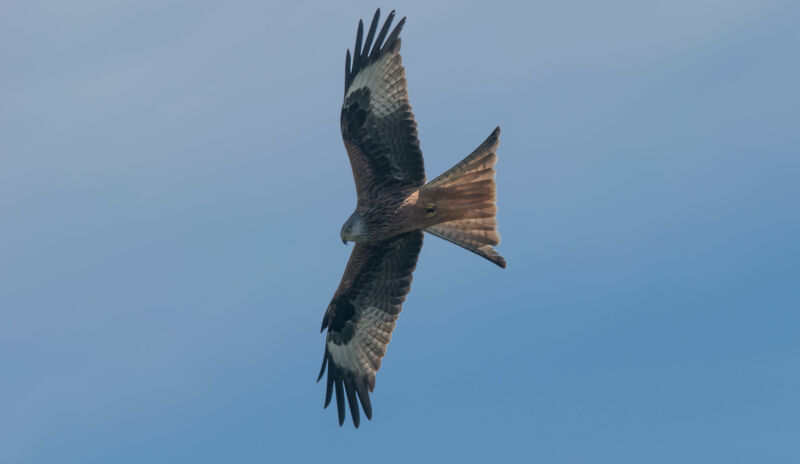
(361, 317)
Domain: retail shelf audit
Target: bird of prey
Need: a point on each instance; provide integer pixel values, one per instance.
(395, 207)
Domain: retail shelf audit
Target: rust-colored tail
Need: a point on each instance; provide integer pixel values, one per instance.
(465, 202)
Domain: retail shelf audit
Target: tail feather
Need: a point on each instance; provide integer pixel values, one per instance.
(479, 165)
(466, 197)
(476, 237)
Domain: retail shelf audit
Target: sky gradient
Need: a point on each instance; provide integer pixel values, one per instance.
(173, 182)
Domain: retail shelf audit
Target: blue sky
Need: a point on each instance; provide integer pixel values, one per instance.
(173, 182)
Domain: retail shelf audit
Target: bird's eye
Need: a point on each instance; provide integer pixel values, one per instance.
(347, 231)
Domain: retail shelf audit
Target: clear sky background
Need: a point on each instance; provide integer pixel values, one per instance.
(173, 182)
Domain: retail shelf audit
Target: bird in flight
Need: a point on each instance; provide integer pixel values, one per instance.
(395, 207)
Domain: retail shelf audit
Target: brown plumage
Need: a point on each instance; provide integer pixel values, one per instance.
(395, 206)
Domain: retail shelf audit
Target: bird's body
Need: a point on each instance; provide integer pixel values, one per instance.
(398, 211)
(395, 207)
(387, 214)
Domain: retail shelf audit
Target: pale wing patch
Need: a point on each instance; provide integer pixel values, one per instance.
(364, 351)
(385, 79)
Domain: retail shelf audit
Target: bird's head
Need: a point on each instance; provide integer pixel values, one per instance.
(353, 229)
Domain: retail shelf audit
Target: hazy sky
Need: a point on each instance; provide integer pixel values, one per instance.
(173, 182)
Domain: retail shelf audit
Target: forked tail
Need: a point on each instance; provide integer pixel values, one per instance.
(465, 202)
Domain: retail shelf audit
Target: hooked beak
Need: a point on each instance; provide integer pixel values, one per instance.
(344, 241)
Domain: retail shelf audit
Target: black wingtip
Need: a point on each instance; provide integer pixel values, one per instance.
(363, 396)
(347, 71)
(371, 34)
(329, 388)
(382, 35)
(366, 50)
(352, 401)
(396, 32)
(351, 390)
(339, 400)
(324, 363)
(357, 50)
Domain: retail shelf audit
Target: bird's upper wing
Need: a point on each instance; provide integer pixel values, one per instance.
(361, 318)
(378, 128)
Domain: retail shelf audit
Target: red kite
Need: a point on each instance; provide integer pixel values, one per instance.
(395, 206)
